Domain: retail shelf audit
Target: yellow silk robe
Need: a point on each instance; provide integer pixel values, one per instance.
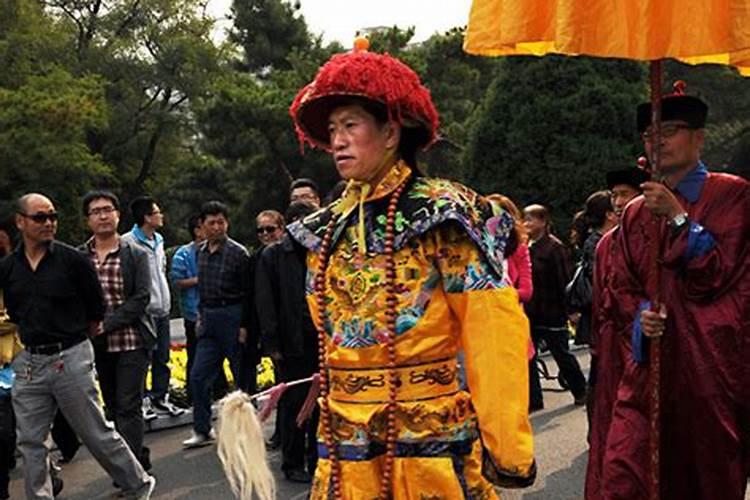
(450, 298)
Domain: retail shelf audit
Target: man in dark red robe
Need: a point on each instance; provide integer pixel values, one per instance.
(610, 326)
(701, 222)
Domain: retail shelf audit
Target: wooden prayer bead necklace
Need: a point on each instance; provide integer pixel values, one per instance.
(390, 314)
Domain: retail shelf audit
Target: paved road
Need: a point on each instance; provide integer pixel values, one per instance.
(560, 432)
(197, 474)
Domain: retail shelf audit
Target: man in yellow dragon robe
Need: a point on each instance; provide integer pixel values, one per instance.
(404, 272)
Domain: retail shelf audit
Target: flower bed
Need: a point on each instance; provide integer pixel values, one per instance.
(178, 378)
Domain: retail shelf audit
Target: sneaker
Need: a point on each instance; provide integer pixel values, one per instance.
(198, 439)
(145, 491)
(148, 411)
(164, 406)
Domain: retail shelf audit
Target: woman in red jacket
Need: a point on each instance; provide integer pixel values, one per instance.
(519, 262)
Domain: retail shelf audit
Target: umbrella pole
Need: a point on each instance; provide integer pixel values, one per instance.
(654, 366)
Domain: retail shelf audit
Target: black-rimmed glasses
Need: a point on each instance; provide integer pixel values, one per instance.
(102, 211)
(667, 130)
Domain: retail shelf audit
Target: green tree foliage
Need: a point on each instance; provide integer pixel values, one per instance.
(457, 82)
(43, 127)
(244, 119)
(550, 128)
(267, 31)
(46, 116)
(155, 57)
(393, 40)
(245, 124)
(139, 97)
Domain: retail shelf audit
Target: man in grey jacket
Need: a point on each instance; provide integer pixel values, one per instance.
(148, 218)
(127, 334)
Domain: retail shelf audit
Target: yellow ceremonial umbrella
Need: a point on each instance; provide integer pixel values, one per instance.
(693, 31)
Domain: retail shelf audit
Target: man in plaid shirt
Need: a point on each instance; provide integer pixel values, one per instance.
(126, 334)
(223, 287)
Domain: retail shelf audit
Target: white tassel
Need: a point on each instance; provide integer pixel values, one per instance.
(242, 449)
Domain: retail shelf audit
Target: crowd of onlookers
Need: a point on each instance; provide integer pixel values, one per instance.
(235, 305)
(554, 279)
(100, 313)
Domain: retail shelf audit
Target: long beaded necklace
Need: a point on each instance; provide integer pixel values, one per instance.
(390, 314)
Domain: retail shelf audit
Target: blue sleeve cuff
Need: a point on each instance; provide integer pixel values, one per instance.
(700, 241)
(636, 341)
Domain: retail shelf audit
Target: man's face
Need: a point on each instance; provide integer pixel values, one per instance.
(360, 145)
(268, 229)
(38, 222)
(621, 195)
(155, 218)
(306, 194)
(680, 146)
(215, 227)
(534, 225)
(103, 218)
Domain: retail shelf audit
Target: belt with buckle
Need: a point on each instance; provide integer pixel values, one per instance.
(415, 382)
(54, 348)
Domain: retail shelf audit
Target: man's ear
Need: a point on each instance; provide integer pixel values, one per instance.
(393, 134)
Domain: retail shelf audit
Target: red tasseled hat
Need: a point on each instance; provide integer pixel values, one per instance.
(377, 77)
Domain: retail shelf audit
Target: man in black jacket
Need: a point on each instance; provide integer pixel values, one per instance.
(52, 293)
(289, 337)
(126, 335)
(551, 271)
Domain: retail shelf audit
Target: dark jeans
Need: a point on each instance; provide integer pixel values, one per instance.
(121, 379)
(160, 359)
(248, 373)
(221, 386)
(217, 340)
(298, 445)
(190, 348)
(557, 342)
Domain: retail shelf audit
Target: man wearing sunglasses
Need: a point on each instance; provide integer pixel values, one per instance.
(52, 293)
(685, 243)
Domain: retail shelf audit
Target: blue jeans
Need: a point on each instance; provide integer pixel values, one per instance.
(66, 380)
(218, 339)
(160, 359)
